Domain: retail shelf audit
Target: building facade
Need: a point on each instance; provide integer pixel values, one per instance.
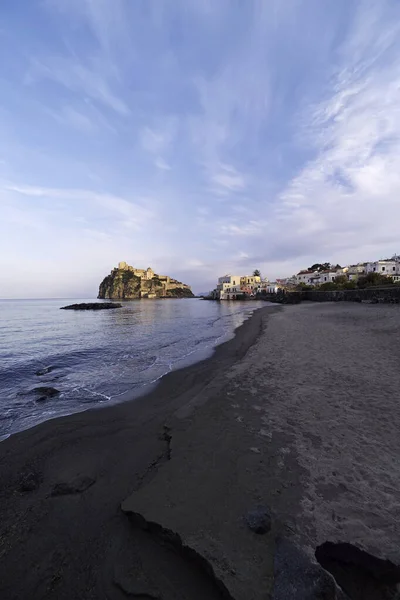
(388, 267)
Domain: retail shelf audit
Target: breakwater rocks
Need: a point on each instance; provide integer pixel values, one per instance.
(92, 306)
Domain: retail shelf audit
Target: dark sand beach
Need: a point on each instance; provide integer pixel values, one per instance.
(298, 414)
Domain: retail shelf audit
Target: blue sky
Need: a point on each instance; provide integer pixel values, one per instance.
(197, 136)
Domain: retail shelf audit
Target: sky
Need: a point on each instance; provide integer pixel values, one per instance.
(198, 137)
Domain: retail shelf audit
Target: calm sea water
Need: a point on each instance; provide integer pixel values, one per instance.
(100, 357)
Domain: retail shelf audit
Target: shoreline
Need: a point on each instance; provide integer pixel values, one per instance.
(238, 338)
(136, 385)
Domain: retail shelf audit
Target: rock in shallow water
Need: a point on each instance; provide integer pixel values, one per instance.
(259, 520)
(92, 306)
(44, 393)
(44, 371)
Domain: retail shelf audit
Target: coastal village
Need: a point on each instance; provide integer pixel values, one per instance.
(322, 276)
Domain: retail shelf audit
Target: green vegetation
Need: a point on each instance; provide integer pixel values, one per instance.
(127, 277)
(329, 286)
(256, 273)
(323, 267)
(303, 287)
(373, 280)
(180, 293)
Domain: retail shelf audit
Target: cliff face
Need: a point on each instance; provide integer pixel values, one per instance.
(120, 284)
(123, 283)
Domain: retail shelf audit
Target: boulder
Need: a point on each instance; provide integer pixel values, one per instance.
(259, 520)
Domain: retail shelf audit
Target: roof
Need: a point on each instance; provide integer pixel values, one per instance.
(306, 272)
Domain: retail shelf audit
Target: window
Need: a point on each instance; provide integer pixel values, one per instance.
(394, 268)
(383, 268)
(374, 268)
(333, 278)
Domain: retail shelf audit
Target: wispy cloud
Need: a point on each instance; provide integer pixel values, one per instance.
(134, 214)
(162, 164)
(158, 142)
(354, 179)
(71, 117)
(89, 80)
(107, 21)
(227, 179)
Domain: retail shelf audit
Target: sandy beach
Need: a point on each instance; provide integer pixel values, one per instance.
(297, 417)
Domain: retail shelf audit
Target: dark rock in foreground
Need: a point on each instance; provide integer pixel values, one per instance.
(361, 575)
(92, 306)
(44, 393)
(259, 520)
(297, 577)
(76, 486)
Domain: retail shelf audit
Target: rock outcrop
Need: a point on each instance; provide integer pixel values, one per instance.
(126, 282)
(92, 306)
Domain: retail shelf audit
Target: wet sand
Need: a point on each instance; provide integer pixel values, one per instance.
(298, 414)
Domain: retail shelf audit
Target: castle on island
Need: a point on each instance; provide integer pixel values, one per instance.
(148, 274)
(129, 282)
(142, 273)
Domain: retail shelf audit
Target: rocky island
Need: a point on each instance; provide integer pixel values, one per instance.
(126, 282)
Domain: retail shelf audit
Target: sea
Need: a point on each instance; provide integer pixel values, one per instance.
(93, 358)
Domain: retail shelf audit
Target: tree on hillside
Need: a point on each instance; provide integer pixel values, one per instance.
(256, 273)
(326, 266)
(320, 267)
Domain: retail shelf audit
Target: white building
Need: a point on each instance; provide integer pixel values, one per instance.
(273, 287)
(228, 285)
(316, 277)
(327, 277)
(304, 276)
(388, 268)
